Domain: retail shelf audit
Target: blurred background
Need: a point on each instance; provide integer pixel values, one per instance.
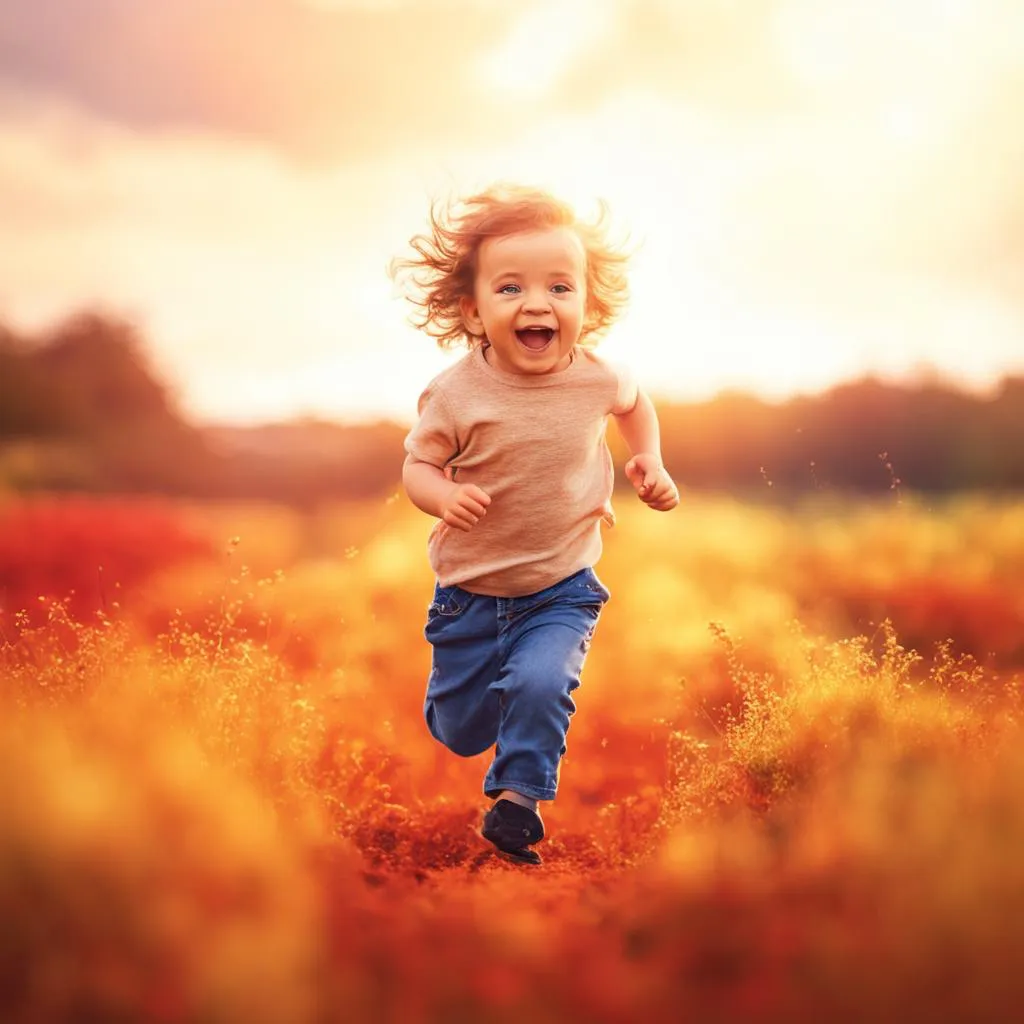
(793, 788)
(198, 202)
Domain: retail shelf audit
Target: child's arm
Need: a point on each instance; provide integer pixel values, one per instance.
(645, 470)
(459, 505)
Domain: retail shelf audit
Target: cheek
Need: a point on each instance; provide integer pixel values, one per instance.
(490, 312)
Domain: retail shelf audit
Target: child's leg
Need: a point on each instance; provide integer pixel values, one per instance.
(461, 709)
(548, 636)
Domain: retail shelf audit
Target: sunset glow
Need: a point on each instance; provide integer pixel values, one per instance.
(739, 675)
(815, 191)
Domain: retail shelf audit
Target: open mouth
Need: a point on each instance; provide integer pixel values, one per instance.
(535, 338)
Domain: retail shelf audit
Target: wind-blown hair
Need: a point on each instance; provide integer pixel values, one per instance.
(444, 267)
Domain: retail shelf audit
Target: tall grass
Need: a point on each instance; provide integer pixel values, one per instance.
(222, 804)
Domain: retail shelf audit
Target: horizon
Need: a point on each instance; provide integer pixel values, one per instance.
(919, 377)
(816, 193)
(912, 382)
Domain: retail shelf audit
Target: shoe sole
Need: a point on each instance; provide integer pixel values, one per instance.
(523, 856)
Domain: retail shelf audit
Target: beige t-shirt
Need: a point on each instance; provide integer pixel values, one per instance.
(536, 445)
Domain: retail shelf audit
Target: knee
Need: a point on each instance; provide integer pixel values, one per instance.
(466, 746)
(459, 741)
(547, 689)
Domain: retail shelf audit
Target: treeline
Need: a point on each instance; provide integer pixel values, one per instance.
(863, 436)
(81, 408)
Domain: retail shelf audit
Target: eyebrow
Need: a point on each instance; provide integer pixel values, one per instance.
(517, 274)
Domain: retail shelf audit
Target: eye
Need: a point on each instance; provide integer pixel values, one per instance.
(560, 289)
(508, 289)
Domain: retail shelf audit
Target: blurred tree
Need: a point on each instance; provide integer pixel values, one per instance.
(26, 406)
(86, 383)
(935, 437)
(99, 367)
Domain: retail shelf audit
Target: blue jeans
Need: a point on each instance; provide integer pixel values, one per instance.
(503, 672)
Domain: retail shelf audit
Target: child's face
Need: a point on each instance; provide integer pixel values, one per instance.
(529, 299)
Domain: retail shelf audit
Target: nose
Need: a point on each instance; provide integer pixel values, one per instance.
(536, 302)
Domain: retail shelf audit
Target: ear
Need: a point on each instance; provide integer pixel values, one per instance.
(471, 315)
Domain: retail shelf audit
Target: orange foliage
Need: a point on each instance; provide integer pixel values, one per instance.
(86, 550)
(228, 806)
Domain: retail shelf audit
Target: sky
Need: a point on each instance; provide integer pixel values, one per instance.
(815, 189)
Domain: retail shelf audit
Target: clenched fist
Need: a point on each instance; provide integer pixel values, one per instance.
(464, 505)
(652, 483)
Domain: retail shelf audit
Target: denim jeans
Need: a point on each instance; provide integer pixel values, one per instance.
(503, 672)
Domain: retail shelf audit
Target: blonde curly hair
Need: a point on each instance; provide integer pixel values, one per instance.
(444, 267)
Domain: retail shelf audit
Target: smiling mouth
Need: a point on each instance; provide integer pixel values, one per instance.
(535, 338)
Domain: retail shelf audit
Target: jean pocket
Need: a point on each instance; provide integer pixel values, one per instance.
(448, 601)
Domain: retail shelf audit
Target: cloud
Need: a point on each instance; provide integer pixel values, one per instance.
(716, 55)
(326, 82)
(337, 80)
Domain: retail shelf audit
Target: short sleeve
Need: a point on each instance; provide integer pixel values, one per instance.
(433, 439)
(626, 391)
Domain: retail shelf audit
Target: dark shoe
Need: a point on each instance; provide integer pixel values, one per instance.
(512, 828)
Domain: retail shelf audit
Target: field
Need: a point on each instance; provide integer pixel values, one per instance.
(793, 788)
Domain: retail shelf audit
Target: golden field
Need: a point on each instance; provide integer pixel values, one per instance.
(794, 787)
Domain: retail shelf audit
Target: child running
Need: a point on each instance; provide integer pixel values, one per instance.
(509, 455)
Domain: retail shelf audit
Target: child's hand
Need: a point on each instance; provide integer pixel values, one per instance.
(652, 483)
(464, 505)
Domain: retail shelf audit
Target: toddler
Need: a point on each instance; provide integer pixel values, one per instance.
(509, 455)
